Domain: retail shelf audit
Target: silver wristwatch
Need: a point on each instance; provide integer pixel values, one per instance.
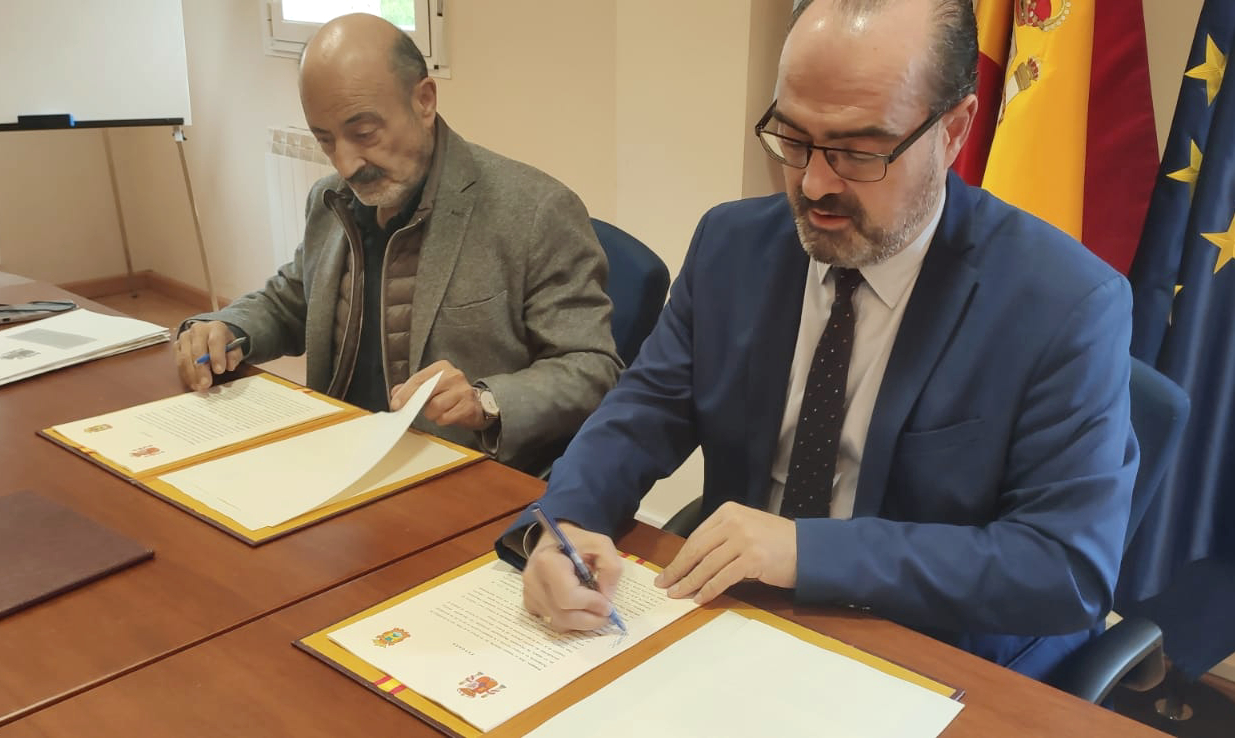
(488, 403)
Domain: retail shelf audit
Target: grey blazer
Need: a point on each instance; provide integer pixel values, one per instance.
(509, 289)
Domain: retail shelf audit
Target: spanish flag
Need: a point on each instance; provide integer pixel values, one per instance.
(1065, 126)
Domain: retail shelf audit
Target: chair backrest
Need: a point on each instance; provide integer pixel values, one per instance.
(638, 283)
(1159, 411)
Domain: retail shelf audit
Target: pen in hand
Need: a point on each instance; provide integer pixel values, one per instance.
(231, 345)
(586, 577)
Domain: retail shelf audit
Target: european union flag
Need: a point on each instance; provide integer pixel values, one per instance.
(1183, 282)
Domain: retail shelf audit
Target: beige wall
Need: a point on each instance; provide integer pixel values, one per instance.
(539, 93)
(57, 218)
(1169, 26)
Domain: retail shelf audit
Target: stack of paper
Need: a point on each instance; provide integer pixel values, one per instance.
(71, 338)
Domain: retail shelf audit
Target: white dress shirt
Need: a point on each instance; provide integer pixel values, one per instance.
(880, 304)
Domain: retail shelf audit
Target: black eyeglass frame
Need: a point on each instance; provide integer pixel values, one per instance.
(811, 148)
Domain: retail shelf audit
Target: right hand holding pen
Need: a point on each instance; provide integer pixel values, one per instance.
(207, 338)
(552, 590)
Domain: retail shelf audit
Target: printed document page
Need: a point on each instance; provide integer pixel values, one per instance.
(412, 456)
(737, 676)
(469, 645)
(170, 430)
(274, 483)
(71, 338)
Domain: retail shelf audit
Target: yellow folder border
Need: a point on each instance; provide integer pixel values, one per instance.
(318, 644)
(149, 480)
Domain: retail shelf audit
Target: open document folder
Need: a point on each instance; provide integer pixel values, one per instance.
(461, 652)
(71, 338)
(270, 484)
(261, 456)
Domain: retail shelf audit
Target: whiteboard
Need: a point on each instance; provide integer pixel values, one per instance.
(96, 60)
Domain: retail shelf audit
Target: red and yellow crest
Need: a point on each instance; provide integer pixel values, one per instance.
(479, 685)
(390, 637)
(1045, 15)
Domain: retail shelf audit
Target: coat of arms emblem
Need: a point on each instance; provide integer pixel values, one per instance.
(480, 685)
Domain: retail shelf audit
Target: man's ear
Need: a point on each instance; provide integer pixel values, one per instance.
(424, 98)
(957, 124)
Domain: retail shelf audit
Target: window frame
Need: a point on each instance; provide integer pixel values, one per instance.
(287, 39)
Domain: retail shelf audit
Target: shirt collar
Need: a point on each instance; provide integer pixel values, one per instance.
(892, 277)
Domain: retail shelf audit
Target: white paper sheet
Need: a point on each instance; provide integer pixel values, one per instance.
(469, 645)
(274, 483)
(169, 430)
(71, 338)
(739, 677)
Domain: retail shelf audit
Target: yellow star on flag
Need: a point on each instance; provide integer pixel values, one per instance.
(1225, 243)
(1192, 171)
(1211, 70)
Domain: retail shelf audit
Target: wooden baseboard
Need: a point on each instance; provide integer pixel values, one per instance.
(143, 280)
(1226, 670)
(104, 286)
(1222, 685)
(185, 293)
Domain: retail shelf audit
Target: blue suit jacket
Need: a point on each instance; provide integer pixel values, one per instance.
(995, 483)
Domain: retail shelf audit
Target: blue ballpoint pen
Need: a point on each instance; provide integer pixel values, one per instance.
(231, 346)
(585, 574)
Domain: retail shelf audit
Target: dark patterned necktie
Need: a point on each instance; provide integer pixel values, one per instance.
(812, 464)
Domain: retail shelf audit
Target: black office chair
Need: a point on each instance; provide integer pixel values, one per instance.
(1130, 653)
(638, 283)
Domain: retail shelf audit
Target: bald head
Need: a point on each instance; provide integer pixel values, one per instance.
(940, 37)
(364, 44)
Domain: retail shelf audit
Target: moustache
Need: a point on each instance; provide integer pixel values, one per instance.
(366, 175)
(832, 203)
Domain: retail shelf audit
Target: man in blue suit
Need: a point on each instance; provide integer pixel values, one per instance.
(974, 479)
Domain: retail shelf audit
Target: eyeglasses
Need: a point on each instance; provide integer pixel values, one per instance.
(857, 166)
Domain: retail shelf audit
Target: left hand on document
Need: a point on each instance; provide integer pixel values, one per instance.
(735, 543)
(552, 590)
(453, 401)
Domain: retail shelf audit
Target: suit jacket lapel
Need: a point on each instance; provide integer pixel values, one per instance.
(452, 208)
(777, 318)
(935, 310)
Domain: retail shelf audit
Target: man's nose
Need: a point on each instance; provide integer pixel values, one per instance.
(819, 178)
(347, 160)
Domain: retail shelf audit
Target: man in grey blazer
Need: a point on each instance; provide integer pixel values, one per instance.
(426, 253)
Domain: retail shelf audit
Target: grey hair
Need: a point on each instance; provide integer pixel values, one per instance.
(406, 61)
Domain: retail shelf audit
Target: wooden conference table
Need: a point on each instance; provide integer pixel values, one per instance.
(198, 641)
(252, 681)
(201, 581)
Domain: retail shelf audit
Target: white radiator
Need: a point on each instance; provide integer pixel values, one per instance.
(293, 163)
